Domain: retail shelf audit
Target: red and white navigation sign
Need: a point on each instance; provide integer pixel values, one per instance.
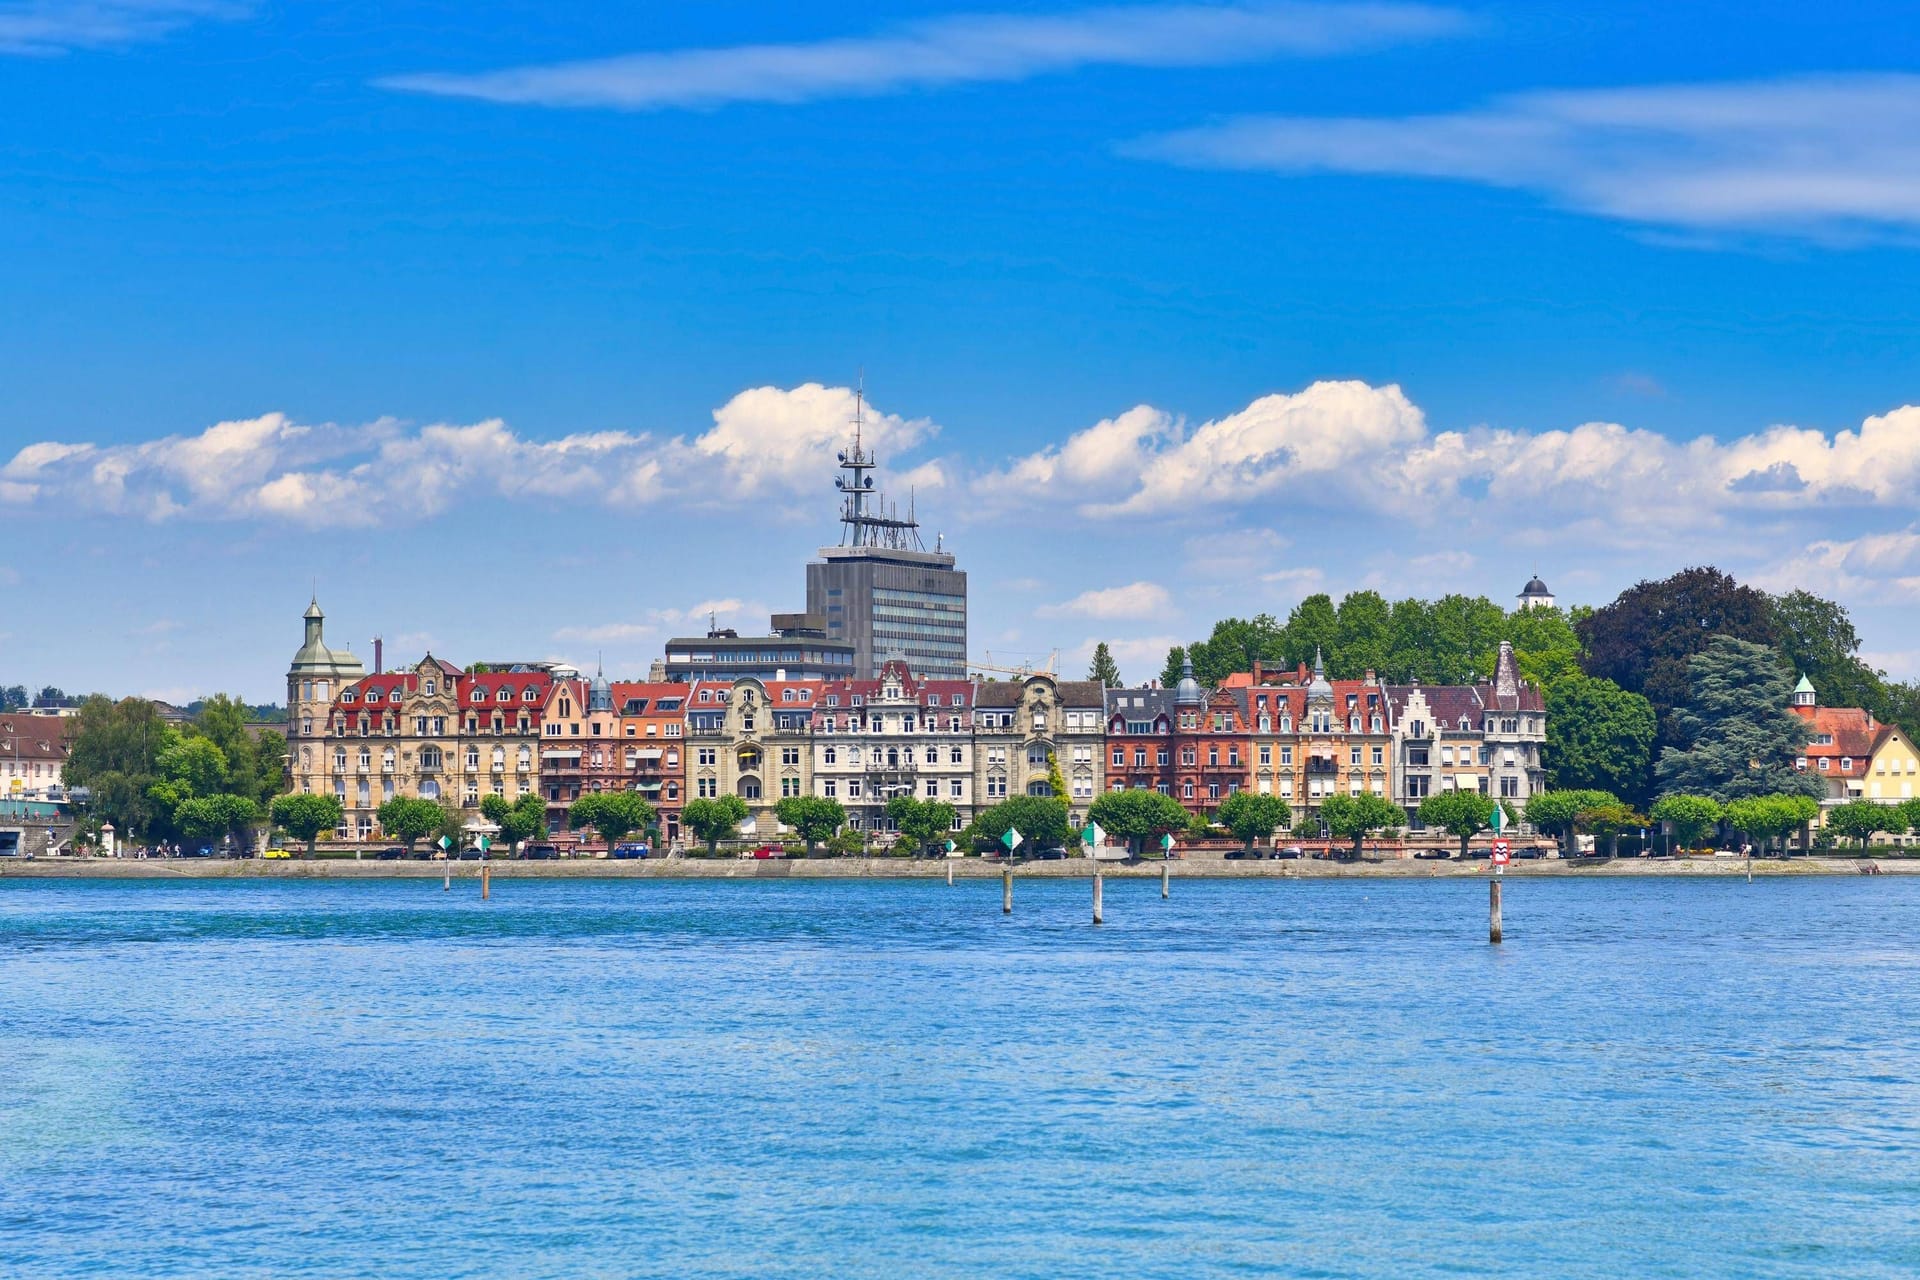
(1502, 852)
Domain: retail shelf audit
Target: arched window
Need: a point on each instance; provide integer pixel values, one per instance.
(386, 760)
(749, 788)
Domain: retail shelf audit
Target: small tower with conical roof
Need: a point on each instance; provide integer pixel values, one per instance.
(599, 692)
(1803, 694)
(1535, 594)
(314, 679)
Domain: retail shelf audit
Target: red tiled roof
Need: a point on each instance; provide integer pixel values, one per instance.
(1852, 729)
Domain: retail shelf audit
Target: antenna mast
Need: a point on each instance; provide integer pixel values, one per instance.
(865, 518)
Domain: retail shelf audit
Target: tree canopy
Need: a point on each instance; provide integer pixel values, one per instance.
(408, 818)
(1137, 815)
(1690, 817)
(519, 820)
(1462, 814)
(305, 815)
(613, 814)
(709, 819)
(1645, 640)
(1740, 738)
(1770, 817)
(816, 819)
(1356, 817)
(1863, 819)
(1253, 817)
(1042, 820)
(1599, 738)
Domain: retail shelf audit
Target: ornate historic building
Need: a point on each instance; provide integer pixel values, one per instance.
(1018, 724)
(653, 721)
(753, 739)
(1484, 737)
(314, 678)
(892, 736)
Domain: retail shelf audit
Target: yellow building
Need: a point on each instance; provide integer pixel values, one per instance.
(1894, 768)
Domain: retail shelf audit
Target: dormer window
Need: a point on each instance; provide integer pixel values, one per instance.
(479, 695)
(505, 695)
(428, 688)
(373, 695)
(527, 695)
(348, 696)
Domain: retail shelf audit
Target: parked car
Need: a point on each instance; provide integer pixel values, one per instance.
(1433, 854)
(636, 850)
(769, 851)
(1052, 853)
(271, 853)
(540, 851)
(391, 852)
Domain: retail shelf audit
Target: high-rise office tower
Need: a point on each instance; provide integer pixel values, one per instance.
(881, 589)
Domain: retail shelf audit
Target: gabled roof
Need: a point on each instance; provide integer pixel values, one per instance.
(1852, 728)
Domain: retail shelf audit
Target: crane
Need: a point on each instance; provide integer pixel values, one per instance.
(1025, 669)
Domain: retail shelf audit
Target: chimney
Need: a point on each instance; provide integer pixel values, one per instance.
(780, 673)
(1370, 678)
(1256, 671)
(377, 668)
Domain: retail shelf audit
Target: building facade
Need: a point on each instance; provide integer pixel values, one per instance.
(796, 648)
(653, 721)
(895, 735)
(1485, 737)
(1017, 725)
(753, 739)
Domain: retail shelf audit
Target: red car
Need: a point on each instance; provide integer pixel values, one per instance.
(769, 851)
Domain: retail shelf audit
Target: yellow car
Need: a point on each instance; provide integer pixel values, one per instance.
(276, 853)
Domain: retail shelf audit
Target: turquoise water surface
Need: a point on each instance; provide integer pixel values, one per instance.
(783, 1078)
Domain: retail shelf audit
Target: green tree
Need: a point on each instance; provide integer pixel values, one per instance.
(1104, 669)
(270, 762)
(1863, 819)
(1816, 639)
(407, 819)
(1464, 814)
(1410, 643)
(924, 822)
(816, 818)
(1137, 816)
(1646, 639)
(114, 750)
(1176, 658)
(519, 821)
(304, 815)
(1234, 645)
(1312, 627)
(1041, 820)
(222, 720)
(1766, 818)
(1599, 738)
(1356, 817)
(1557, 812)
(1253, 817)
(1362, 636)
(1609, 821)
(1689, 817)
(1466, 635)
(216, 818)
(613, 814)
(1741, 737)
(711, 819)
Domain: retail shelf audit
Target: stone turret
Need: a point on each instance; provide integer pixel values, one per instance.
(314, 680)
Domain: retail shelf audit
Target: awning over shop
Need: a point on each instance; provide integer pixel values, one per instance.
(560, 757)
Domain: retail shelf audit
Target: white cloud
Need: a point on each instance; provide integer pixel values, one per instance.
(770, 437)
(1135, 600)
(1351, 446)
(50, 27)
(1879, 567)
(610, 632)
(763, 440)
(1296, 584)
(960, 49)
(1822, 155)
(1146, 462)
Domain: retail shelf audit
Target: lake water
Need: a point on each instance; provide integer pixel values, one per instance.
(887, 1079)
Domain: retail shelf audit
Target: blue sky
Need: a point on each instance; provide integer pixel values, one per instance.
(533, 323)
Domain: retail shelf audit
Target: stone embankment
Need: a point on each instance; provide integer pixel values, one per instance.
(901, 868)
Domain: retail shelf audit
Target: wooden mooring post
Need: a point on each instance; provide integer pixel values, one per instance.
(447, 885)
(1006, 892)
(1098, 917)
(1166, 878)
(949, 873)
(486, 882)
(1493, 911)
